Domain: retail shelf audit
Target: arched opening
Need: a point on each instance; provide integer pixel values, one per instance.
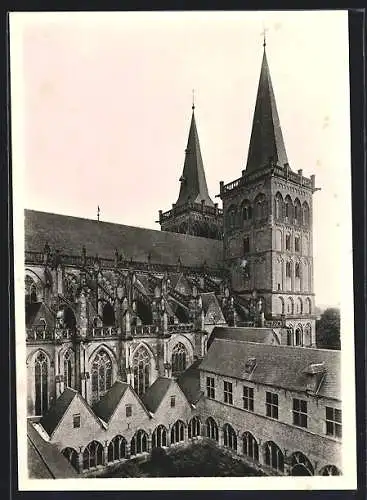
(116, 449)
(211, 429)
(194, 427)
(308, 306)
(297, 211)
(141, 370)
(101, 375)
(139, 442)
(41, 383)
(159, 438)
(232, 217)
(71, 455)
(330, 470)
(298, 341)
(290, 306)
(108, 315)
(288, 209)
(246, 211)
(305, 214)
(178, 432)
(308, 335)
(278, 206)
(250, 446)
(179, 359)
(69, 369)
(92, 455)
(290, 335)
(144, 312)
(301, 466)
(282, 308)
(229, 437)
(260, 207)
(273, 456)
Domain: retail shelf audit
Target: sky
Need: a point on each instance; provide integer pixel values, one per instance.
(103, 108)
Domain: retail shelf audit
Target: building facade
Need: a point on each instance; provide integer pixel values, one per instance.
(109, 304)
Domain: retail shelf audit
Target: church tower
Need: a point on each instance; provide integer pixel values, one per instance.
(194, 212)
(268, 225)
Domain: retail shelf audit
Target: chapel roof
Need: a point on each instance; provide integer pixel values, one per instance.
(156, 392)
(69, 234)
(280, 366)
(106, 406)
(247, 334)
(54, 415)
(189, 382)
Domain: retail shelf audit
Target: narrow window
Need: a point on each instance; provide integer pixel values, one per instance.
(248, 398)
(76, 421)
(227, 393)
(246, 244)
(271, 405)
(288, 242)
(333, 422)
(300, 412)
(210, 387)
(173, 401)
(129, 410)
(296, 244)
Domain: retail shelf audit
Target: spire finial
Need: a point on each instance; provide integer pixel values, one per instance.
(98, 212)
(263, 34)
(193, 99)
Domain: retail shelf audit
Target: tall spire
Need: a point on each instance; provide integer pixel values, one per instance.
(193, 181)
(266, 137)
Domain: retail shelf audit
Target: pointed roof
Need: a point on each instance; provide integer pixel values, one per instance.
(266, 137)
(53, 417)
(156, 392)
(106, 406)
(193, 181)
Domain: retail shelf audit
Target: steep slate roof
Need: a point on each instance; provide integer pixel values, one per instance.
(69, 234)
(37, 310)
(266, 136)
(246, 334)
(44, 459)
(193, 181)
(53, 417)
(106, 406)
(276, 365)
(156, 392)
(189, 382)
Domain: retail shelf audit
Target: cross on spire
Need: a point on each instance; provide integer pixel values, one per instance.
(98, 212)
(193, 99)
(263, 34)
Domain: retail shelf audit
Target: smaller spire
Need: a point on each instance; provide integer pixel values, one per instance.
(98, 212)
(193, 99)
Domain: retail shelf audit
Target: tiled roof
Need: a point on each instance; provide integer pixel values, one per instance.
(44, 459)
(53, 417)
(266, 136)
(193, 181)
(189, 382)
(106, 406)
(156, 392)
(276, 365)
(246, 334)
(69, 234)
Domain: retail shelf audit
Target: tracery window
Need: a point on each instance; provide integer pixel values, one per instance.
(177, 432)
(229, 437)
(117, 449)
(178, 359)
(211, 429)
(301, 466)
(141, 370)
(92, 455)
(159, 438)
(41, 383)
(101, 375)
(330, 470)
(274, 457)
(194, 427)
(139, 442)
(69, 369)
(250, 446)
(71, 455)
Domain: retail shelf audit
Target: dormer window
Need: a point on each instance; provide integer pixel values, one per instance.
(250, 365)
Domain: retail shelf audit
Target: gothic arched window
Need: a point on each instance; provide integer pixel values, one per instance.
(71, 455)
(108, 315)
(139, 442)
(92, 455)
(159, 438)
(101, 375)
(141, 370)
(274, 457)
(330, 470)
(211, 429)
(69, 369)
(297, 211)
(177, 432)
(305, 214)
(301, 465)
(232, 217)
(194, 427)
(250, 446)
(260, 207)
(229, 437)
(278, 206)
(246, 210)
(179, 358)
(288, 208)
(41, 383)
(117, 449)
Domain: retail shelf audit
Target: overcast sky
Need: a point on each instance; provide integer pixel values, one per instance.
(105, 108)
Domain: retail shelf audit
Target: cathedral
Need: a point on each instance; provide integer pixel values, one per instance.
(121, 318)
